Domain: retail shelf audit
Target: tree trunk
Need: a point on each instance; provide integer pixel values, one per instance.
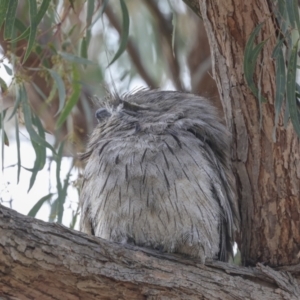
(40, 260)
(267, 172)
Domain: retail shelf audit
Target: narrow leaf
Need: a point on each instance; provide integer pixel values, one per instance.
(71, 30)
(10, 18)
(24, 35)
(39, 91)
(286, 115)
(251, 55)
(53, 211)
(39, 16)
(58, 165)
(28, 122)
(40, 152)
(19, 25)
(37, 122)
(291, 12)
(42, 10)
(89, 16)
(281, 15)
(33, 27)
(18, 148)
(101, 11)
(63, 196)
(3, 10)
(296, 14)
(125, 32)
(8, 70)
(3, 85)
(72, 101)
(84, 48)
(5, 138)
(280, 84)
(34, 171)
(19, 96)
(3, 134)
(35, 209)
(291, 89)
(74, 218)
(61, 89)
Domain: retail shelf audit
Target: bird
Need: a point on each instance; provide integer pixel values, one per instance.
(158, 175)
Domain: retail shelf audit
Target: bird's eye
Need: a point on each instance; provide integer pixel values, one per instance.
(102, 114)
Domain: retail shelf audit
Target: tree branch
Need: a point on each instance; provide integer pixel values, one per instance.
(41, 260)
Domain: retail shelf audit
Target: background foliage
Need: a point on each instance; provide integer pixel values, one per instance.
(57, 55)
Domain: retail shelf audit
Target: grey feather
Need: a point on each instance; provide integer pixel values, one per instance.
(158, 175)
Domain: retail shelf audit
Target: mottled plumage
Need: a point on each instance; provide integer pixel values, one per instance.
(158, 175)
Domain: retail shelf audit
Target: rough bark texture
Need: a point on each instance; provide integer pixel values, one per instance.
(267, 172)
(39, 260)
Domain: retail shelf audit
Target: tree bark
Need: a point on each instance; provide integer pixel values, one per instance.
(40, 260)
(267, 172)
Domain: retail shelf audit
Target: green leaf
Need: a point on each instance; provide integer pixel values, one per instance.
(19, 96)
(291, 12)
(39, 91)
(3, 10)
(39, 16)
(3, 134)
(251, 55)
(291, 89)
(75, 59)
(61, 89)
(40, 152)
(24, 35)
(125, 32)
(286, 115)
(28, 121)
(18, 148)
(89, 16)
(72, 101)
(10, 18)
(53, 211)
(35, 209)
(3, 85)
(19, 25)
(280, 82)
(101, 11)
(296, 13)
(74, 218)
(43, 8)
(2, 117)
(63, 196)
(58, 165)
(281, 15)
(277, 49)
(8, 70)
(60, 207)
(5, 140)
(34, 171)
(72, 29)
(41, 131)
(33, 27)
(84, 48)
